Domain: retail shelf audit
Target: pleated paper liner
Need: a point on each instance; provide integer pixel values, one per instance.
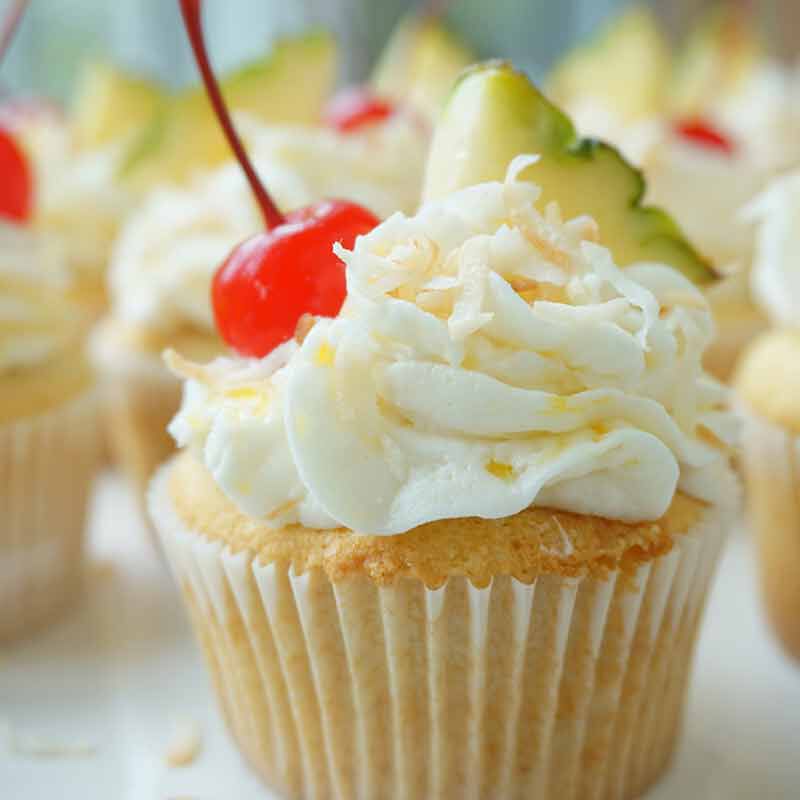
(47, 465)
(771, 458)
(140, 402)
(735, 330)
(562, 688)
(141, 396)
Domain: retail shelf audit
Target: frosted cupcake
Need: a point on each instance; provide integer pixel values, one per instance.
(709, 126)
(705, 175)
(79, 199)
(768, 385)
(82, 202)
(48, 434)
(125, 134)
(170, 248)
(462, 533)
(706, 178)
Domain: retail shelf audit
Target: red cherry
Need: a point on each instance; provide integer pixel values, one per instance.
(270, 281)
(16, 185)
(356, 108)
(702, 133)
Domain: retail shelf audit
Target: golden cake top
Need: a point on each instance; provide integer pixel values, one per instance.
(768, 377)
(534, 542)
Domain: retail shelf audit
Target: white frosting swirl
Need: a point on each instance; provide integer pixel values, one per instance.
(775, 278)
(36, 320)
(79, 199)
(489, 357)
(170, 248)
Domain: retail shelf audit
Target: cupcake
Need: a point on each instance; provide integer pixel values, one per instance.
(124, 134)
(709, 126)
(48, 434)
(79, 199)
(768, 387)
(462, 533)
(706, 178)
(168, 251)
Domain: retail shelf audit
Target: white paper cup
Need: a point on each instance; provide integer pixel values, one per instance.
(771, 461)
(47, 464)
(140, 398)
(562, 688)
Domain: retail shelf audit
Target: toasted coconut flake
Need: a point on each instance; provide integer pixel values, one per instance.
(550, 251)
(585, 228)
(34, 746)
(304, 326)
(518, 165)
(184, 745)
(280, 510)
(531, 290)
(183, 368)
(685, 299)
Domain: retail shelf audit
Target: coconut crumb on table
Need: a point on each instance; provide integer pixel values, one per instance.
(33, 746)
(184, 744)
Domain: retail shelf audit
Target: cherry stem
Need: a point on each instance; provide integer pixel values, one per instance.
(434, 9)
(192, 18)
(10, 25)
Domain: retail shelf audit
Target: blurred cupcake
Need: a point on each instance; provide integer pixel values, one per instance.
(48, 431)
(79, 199)
(82, 202)
(706, 176)
(768, 385)
(169, 250)
(710, 126)
(460, 535)
(775, 278)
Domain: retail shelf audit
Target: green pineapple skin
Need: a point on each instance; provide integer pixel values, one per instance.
(495, 113)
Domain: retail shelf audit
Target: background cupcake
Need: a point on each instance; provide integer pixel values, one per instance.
(48, 430)
(474, 514)
(171, 247)
(78, 196)
(710, 123)
(768, 385)
(81, 201)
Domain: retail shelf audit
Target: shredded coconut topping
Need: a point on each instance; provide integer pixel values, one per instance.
(490, 356)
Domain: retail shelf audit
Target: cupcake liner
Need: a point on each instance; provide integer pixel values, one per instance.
(771, 459)
(47, 464)
(562, 688)
(734, 333)
(140, 399)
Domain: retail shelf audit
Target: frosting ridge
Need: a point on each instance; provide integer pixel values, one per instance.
(490, 356)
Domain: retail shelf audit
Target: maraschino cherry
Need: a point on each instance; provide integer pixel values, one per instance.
(702, 133)
(356, 108)
(16, 184)
(271, 280)
(15, 180)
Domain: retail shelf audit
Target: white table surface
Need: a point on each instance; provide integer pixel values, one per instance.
(119, 671)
